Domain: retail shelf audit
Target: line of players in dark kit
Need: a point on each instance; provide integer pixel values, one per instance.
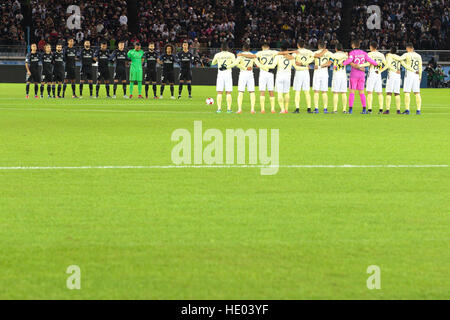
(59, 69)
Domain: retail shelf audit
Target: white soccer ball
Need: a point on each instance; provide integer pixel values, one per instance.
(209, 101)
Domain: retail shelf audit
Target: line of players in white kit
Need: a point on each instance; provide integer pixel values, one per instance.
(283, 61)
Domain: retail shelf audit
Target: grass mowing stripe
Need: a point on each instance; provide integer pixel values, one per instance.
(229, 166)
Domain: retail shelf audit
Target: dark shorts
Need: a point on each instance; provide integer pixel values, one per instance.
(150, 76)
(58, 75)
(87, 73)
(103, 74)
(186, 75)
(168, 77)
(47, 75)
(70, 73)
(35, 76)
(120, 74)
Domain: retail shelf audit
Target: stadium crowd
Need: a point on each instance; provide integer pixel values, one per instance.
(207, 23)
(100, 19)
(266, 20)
(11, 31)
(423, 22)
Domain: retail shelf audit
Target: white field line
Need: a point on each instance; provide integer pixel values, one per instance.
(346, 166)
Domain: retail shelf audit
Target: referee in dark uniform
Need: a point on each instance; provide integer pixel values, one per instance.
(33, 74)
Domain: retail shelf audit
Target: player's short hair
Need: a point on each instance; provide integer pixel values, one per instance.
(70, 38)
(284, 46)
(224, 46)
(356, 42)
(185, 41)
(321, 44)
(137, 44)
(409, 45)
(103, 42)
(339, 46)
(301, 43)
(374, 44)
(393, 50)
(121, 41)
(60, 43)
(265, 45)
(246, 47)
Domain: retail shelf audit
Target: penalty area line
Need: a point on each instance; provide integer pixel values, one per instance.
(349, 166)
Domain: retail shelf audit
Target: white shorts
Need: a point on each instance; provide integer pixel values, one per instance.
(302, 80)
(412, 83)
(320, 83)
(283, 83)
(374, 83)
(339, 83)
(393, 83)
(246, 80)
(224, 81)
(266, 81)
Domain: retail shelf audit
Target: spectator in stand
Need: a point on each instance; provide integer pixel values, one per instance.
(100, 20)
(424, 23)
(11, 31)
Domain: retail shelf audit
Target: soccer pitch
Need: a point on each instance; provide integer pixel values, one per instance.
(142, 229)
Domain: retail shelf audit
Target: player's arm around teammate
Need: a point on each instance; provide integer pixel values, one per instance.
(246, 79)
(413, 77)
(339, 81)
(393, 62)
(225, 61)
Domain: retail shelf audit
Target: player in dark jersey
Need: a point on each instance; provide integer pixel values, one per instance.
(58, 69)
(103, 57)
(168, 77)
(186, 59)
(151, 58)
(87, 71)
(47, 71)
(33, 74)
(70, 57)
(120, 73)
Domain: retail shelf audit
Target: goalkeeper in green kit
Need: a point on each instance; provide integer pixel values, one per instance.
(136, 72)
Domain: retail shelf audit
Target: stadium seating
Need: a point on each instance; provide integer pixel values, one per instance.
(206, 23)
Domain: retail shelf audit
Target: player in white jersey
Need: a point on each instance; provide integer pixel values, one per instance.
(246, 78)
(225, 61)
(283, 62)
(413, 66)
(374, 81)
(320, 79)
(302, 80)
(339, 82)
(393, 64)
(264, 60)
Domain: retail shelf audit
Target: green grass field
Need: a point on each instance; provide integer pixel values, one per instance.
(220, 233)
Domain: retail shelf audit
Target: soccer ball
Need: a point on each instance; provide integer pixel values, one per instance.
(209, 101)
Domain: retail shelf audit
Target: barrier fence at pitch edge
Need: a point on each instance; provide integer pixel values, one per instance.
(200, 76)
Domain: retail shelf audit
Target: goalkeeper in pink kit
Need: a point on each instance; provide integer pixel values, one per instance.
(356, 58)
